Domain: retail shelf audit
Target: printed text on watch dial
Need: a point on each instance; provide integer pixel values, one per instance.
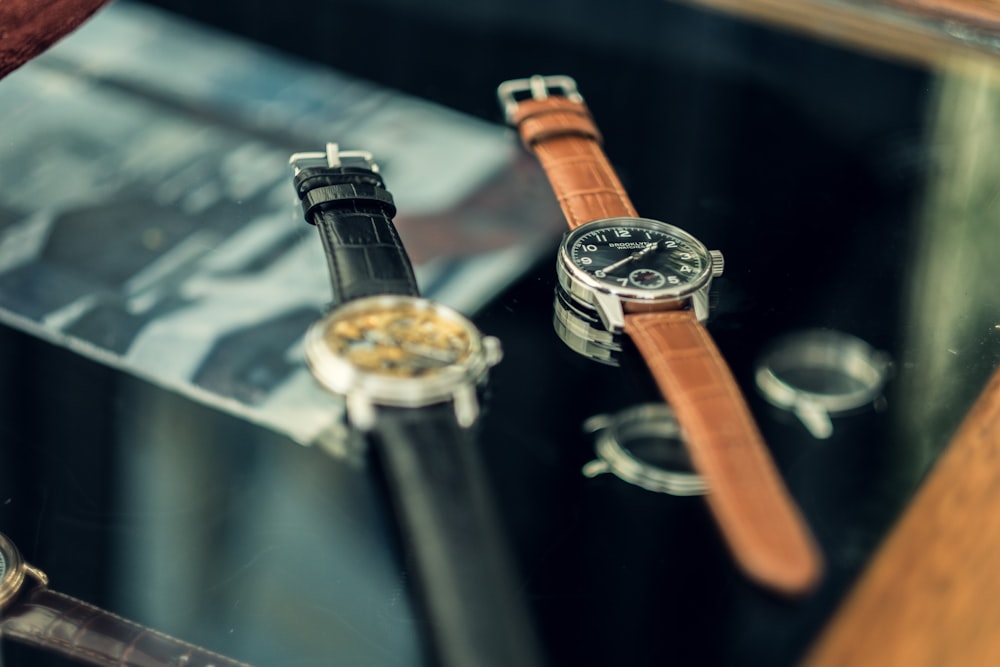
(637, 257)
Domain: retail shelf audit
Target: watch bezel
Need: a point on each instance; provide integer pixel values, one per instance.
(821, 350)
(597, 294)
(360, 387)
(613, 432)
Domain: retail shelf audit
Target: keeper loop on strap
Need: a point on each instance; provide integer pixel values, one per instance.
(334, 196)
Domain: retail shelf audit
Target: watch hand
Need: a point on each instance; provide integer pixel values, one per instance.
(425, 352)
(378, 337)
(431, 353)
(631, 258)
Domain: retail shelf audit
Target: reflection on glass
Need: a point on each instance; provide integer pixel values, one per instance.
(821, 372)
(643, 445)
(954, 303)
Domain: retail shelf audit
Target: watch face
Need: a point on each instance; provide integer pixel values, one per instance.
(638, 257)
(398, 350)
(403, 341)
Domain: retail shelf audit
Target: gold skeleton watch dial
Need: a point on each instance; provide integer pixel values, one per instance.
(400, 341)
(400, 351)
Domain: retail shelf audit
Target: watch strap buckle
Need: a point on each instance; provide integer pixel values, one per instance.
(332, 157)
(537, 87)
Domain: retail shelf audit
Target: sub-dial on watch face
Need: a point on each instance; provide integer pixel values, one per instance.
(400, 341)
(638, 255)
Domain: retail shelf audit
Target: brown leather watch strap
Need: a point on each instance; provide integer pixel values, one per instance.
(563, 136)
(55, 622)
(757, 516)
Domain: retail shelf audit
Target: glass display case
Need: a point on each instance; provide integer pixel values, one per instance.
(169, 458)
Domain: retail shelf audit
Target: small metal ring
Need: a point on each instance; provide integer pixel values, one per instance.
(816, 373)
(656, 421)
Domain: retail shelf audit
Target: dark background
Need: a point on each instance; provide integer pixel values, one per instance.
(803, 162)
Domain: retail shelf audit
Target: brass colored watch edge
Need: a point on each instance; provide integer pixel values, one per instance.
(17, 570)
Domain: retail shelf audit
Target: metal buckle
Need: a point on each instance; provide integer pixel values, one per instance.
(332, 157)
(537, 87)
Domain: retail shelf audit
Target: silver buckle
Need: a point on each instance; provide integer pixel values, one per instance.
(332, 157)
(537, 87)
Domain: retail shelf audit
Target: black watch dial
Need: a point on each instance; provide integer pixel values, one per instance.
(638, 255)
(3, 565)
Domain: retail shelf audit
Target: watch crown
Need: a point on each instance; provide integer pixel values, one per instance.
(493, 350)
(718, 262)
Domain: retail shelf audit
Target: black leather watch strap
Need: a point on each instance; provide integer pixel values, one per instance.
(353, 212)
(78, 630)
(453, 537)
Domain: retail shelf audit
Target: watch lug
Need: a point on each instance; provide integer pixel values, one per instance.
(814, 418)
(360, 411)
(37, 575)
(609, 308)
(699, 302)
(466, 405)
(595, 468)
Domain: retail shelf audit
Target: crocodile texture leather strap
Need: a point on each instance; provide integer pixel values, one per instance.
(80, 631)
(755, 513)
(747, 496)
(353, 212)
(563, 136)
(454, 538)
